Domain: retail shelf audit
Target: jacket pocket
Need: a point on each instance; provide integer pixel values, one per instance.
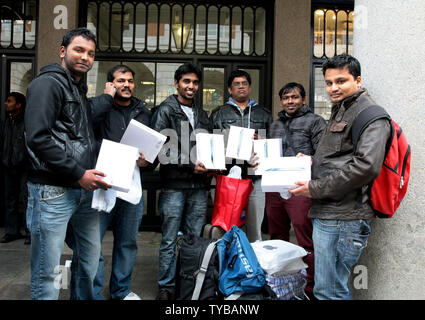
(336, 135)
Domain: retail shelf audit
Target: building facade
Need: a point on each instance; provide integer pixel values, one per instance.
(276, 41)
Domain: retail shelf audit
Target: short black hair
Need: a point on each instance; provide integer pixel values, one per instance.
(121, 68)
(291, 86)
(19, 98)
(185, 69)
(70, 35)
(341, 61)
(236, 74)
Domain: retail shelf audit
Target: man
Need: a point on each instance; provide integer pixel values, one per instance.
(14, 163)
(61, 147)
(242, 111)
(300, 130)
(124, 217)
(183, 199)
(340, 177)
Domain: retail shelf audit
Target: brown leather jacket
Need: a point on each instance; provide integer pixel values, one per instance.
(340, 174)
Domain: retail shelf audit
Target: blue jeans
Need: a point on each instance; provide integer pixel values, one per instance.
(181, 210)
(50, 209)
(125, 218)
(338, 245)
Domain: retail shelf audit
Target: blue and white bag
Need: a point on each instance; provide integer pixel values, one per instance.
(240, 271)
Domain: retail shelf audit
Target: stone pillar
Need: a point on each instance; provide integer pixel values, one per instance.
(55, 19)
(389, 43)
(292, 46)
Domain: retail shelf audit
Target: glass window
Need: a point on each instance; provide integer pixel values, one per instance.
(330, 33)
(236, 30)
(104, 26)
(116, 20)
(319, 18)
(149, 76)
(224, 36)
(6, 33)
(200, 29)
(322, 104)
(165, 81)
(213, 86)
(20, 76)
(128, 27)
(260, 31)
(212, 29)
(152, 27)
(164, 26)
(188, 28)
(140, 27)
(248, 31)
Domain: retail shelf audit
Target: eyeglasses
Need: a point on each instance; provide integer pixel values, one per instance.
(240, 84)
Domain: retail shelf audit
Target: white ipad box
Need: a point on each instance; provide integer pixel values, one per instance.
(117, 161)
(147, 140)
(239, 144)
(210, 150)
(266, 148)
(280, 174)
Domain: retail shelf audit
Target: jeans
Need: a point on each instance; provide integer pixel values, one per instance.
(337, 248)
(180, 210)
(125, 219)
(50, 209)
(281, 213)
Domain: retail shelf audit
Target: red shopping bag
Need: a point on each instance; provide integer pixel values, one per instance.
(231, 198)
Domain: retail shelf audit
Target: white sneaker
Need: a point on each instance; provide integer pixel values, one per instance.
(132, 296)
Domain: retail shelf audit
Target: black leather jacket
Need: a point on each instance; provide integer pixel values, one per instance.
(58, 128)
(340, 174)
(178, 156)
(14, 153)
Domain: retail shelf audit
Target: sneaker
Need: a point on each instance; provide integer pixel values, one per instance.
(164, 295)
(132, 296)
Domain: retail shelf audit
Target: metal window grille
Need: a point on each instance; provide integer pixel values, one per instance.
(195, 27)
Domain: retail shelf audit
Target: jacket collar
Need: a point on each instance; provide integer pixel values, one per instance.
(251, 103)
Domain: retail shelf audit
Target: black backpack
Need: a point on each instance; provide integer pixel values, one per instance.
(191, 250)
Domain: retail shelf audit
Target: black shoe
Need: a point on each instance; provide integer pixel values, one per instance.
(27, 239)
(10, 237)
(164, 294)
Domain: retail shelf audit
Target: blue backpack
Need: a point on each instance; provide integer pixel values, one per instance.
(240, 271)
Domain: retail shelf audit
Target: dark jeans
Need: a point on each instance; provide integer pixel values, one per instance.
(181, 210)
(16, 197)
(281, 213)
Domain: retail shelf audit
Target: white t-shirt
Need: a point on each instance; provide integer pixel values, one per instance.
(189, 113)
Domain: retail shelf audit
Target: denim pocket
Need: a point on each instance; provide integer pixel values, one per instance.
(328, 223)
(52, 193)
(357, 236)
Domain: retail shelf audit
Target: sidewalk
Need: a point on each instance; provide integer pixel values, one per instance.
(15, 267)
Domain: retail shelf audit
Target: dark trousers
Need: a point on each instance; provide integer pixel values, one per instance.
(280, 214)
(16, 197)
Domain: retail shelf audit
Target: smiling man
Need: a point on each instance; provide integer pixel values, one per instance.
(61, 147)
(183, 199)
(341, 176)
(117, 107)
